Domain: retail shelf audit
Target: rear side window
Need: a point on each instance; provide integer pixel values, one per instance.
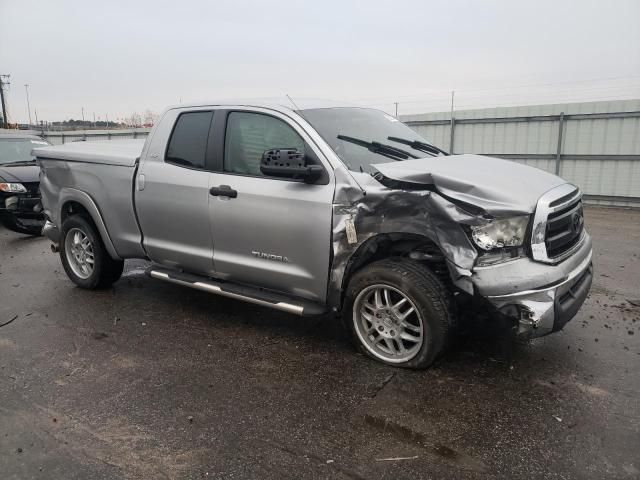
(248, 135)
(188, 142)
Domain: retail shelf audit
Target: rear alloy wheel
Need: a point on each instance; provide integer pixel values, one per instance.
(79, 252)
(84, 257)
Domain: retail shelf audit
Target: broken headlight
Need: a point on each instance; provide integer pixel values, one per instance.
(506, 232)
(12, 188)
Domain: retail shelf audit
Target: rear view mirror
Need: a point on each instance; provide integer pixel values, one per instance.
(288, 163)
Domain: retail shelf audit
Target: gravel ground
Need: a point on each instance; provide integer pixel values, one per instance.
(150, 380)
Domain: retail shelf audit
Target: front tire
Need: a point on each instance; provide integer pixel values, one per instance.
(398, 312)
(84, 257)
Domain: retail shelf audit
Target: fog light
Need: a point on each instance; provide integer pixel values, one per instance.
(11, 203)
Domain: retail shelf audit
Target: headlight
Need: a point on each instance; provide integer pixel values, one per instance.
(508, 232)
(12, 188)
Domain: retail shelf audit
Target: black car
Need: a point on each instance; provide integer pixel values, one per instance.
(20, 208)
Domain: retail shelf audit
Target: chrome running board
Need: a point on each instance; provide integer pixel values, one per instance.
(253, 295)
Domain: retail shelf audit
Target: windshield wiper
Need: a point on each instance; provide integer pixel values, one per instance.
(417, 145)
(379, 148)
(19, 163)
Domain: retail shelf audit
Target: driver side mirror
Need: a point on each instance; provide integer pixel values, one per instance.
(288, 163)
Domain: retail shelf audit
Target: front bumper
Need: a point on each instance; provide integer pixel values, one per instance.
(21, 213)
(541, 298)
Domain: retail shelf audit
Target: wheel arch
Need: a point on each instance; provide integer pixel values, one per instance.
(73, 202)
(385, 245)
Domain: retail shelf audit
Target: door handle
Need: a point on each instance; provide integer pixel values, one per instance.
(223, 191)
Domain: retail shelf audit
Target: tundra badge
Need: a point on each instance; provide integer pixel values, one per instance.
(269, 256)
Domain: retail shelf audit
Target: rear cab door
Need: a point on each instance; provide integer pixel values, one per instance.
(172, 191)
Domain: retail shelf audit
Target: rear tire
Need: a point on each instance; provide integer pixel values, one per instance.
(398, 312)
(84, 257)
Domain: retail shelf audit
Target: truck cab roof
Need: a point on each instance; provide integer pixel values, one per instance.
(282, 104)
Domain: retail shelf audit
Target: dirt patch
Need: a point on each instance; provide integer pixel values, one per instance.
(409, 435)
(117, 442)
(6, 343)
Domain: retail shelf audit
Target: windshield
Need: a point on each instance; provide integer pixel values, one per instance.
(363, 137)
(14, 150)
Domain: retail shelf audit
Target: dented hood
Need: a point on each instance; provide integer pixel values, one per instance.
(499, 187)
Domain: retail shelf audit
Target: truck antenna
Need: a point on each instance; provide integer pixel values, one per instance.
(292, 102)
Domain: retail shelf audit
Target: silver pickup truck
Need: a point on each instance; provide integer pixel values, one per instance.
(324, 209)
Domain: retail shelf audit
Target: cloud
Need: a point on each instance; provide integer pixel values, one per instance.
(118, 57)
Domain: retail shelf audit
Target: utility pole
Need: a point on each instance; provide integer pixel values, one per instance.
(82, 117)
(26, 87)
(94, 119)
(396, 104)
(5, 121)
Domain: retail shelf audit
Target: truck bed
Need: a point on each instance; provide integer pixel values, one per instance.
(123, 153)
(104, 172)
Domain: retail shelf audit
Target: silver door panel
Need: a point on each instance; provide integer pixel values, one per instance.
(173, 210)
(275, 234)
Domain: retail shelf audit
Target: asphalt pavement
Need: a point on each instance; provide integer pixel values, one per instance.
(151, 380)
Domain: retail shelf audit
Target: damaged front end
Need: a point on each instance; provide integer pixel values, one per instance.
(20, 205)
(521, 252)
(547, 287)
(363, 224)
(21, 211)
(547, 309)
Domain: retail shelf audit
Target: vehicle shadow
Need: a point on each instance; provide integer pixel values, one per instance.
(15, 238)
(482, 339)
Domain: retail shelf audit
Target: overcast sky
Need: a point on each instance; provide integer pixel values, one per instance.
(116, 57)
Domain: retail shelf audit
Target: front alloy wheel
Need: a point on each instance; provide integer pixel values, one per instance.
(388, 323)
(398, 312)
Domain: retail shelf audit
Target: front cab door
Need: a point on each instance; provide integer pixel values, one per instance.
(269, 232)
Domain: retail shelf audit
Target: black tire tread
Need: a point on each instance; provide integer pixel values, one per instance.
(107, 270)
(439, 299)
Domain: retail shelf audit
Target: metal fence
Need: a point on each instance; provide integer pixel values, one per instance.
(594, 145)
(60, 138)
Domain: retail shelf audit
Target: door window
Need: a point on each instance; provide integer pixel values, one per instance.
(248, 135)
(188, 142)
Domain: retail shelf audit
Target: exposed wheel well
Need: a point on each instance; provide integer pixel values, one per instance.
(74, 208)
(416, 247)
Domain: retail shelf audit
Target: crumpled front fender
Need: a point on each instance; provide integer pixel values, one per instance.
(383, 210)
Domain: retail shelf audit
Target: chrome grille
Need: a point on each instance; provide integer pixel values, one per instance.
(564, 229)
(558, 224)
